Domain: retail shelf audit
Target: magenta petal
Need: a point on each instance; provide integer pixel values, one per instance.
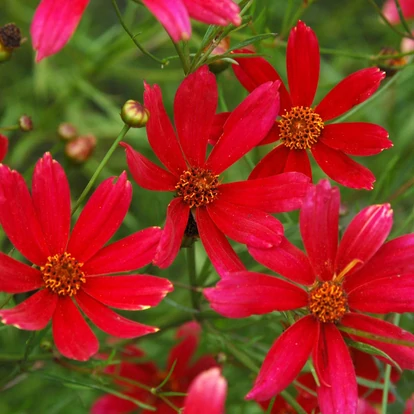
(109, 321)
(285, 359)
(100, 218)
(218, 249)
(364, 236)
(220, 13)
(391, 13)
(242, 294)
(147, 174)
(341, 168)
(319, 227)
(271, 164)
(195, 104)
(247, 125)
(32, 314)
(134, 292)
(217, 127)
(129, 253)
(4, 144)
(16, 277)
(172, 234)
(53, 25)
(246, 225)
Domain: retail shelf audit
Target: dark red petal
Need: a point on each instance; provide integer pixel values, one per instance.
(340, 394)
(298, 160)
(172, 234)
(161, 135)
(18, 217)
(285, 359)
(271, 164)
(127, 254)
(302, 62)
(274, 194)
(218, 249)
(351, 91)
(217, 127)
(147, 174)
(16, 277)
(133, 292)
(246, 225)
(363, 237)
(32, 314)
(4, 144)
(402, 355)
(319, 227)
(242, 294)
(247, 125)
(195, 104)
(356, 138)
(113, 405)
(100, 218)
(287, 260)
(109, 321)
(341, 168)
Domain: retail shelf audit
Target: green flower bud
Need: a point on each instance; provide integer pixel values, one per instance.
(25, 123)
(134, 114)
(67, 131)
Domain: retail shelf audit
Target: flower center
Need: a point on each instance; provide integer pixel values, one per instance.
(197, 186)
(328, 302)
(300, 128)
(62, 274)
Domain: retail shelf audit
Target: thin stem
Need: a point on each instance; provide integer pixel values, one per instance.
(10, 128)
(402, 18)
(19, 358)
(191, 266)
(183, 59)
(101, 166)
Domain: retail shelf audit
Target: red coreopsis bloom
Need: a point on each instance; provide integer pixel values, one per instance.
(362, 274)
(74, 270)
(302, 127)
(391, 13)
(184, 372)
(238, 210)
(4, 144)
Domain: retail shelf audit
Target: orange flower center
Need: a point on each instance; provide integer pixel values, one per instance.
(300, 128)
(62, 274)
(197, 186)
(328, 302)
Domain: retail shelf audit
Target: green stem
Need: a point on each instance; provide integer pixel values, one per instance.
(183, 59)
(402, 18)
(19, 358)
(192, 274)
(10, 128)
(101, 166)
(292, 402)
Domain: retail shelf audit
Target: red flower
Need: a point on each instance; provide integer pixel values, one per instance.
(4, 144)
(303, 128)
(362, 274)
(238, 210)
(73, 267)
(391, 13)
(147, 373)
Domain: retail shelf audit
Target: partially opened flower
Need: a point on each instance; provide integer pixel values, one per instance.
(73, 269)
(4, 144)
(339, 284)
(303, 127)
(239, 210)
(391, 13)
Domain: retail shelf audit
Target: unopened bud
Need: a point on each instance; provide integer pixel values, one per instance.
(220, 65)
(67, 131)
(25, 123)
(391, 65)
(10, 38)
(134, 114)
(81, 148)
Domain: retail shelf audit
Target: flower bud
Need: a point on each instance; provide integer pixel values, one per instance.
(134, 114)
(67, 131)
(25, 123)
(220, 65)
(81, 148)
(10, 38)
(391, 65)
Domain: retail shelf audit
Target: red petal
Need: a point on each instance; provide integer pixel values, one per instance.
(109, 321)
(285, 359)
(4, 144)
(319, 218)
(161, 135)
(340, 394)
(32, 314)
(246, 225)
(275, 194)
(272, 136)
(220, 13)
(218, 249)
(217, 127)
(365, 234)
(195, 104)
(51, 200)
(172, 234)
(341, 168)
(113, 405)
(18, 217)
(147, 174)
(133, 292)
(356, 138)
(53, 25)
(16, 277)
(287, 260)
(207, 393)
(298, 160)
(242, 294)
(247, 125)
(271, 164)
(351, 91)
(129, 253)
(302, 62)
(100, 218)
(402, 355)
